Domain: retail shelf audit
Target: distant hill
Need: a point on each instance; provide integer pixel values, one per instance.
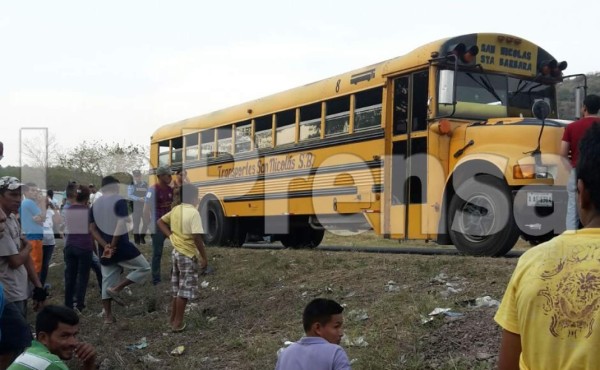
(566, 93)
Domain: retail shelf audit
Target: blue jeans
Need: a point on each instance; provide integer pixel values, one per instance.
(158, 241)
(77, 274)
(572, 221)
(48, 250)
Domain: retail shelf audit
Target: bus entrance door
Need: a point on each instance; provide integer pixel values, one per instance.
(409, 157)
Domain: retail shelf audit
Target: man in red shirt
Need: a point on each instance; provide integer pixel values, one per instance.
(157, 204)
(570, 142)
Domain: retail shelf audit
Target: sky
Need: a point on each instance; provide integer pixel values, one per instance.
(115, 71)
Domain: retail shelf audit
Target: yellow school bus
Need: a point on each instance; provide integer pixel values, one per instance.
(440, 144)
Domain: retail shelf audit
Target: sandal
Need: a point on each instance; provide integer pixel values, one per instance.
(179, 330)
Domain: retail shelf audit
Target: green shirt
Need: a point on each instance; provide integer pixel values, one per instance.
(37, 357)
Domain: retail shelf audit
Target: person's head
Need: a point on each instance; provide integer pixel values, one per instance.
(10, 194)
(92, 188)
(137, 175)
(30, 191)
(591, 104)
(82, 194)
(71, 191)
(588, 176)
(189, 194)
(163, 174)
(323, 318)
(110, 185)
(56, 327)
(50, 193)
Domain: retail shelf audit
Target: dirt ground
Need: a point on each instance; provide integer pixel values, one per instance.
(253, 301)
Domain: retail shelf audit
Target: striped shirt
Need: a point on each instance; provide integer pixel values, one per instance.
(37, 357)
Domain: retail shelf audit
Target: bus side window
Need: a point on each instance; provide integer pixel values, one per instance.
(207, 144)
(367, 112)
(338, 116)
(224, 142)
(286, 127)
(263, 132)
(191, 147)
(176, 150)
(310, 122)
(243, 137)
(163, 153)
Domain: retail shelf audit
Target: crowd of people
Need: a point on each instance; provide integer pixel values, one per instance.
(549, 314)
(95, 226)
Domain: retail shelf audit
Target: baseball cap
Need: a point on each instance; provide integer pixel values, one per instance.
(10, 183)
(163, 170)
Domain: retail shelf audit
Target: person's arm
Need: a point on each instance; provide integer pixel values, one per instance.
(19, 259)
(120, 229)
(147, 209)
(164, 228)
(86, 353)
(200, 246)
(510, 351)
(97, 237)
(130, 195)
(564, 149)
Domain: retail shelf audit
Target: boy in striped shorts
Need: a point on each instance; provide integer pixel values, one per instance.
(182, 225)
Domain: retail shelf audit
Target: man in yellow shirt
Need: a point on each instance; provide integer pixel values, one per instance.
(182, 225)
(551, 309)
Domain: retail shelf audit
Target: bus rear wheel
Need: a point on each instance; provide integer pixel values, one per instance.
(217, 227)
(302, 237)
(481, 221)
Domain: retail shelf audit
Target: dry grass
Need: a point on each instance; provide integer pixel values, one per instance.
(255, 298)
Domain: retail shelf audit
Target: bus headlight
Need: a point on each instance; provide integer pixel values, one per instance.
(532, 171)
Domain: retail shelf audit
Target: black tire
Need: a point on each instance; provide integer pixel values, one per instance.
(302, 237)
(483, 223)
(217, 227)
(239, 233)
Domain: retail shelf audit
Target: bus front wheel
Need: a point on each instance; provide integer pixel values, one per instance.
(481, 219)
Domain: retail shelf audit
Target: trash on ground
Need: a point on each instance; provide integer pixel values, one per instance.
(440, 278)
(191, 306)
(350, 294)
(357, 342)
(211, 319)
(54, 264)
(358, 315)
(426, 319)
(438, 310)
(204, 284)
(486, 301)
(128, 291)
(391, 286)
(286, 344)
(140, 345)
(178, 350)
(149, 359)
(353, 361)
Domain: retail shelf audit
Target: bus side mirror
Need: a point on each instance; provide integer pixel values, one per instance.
(541, 109)
(578, 101)
(446, 87)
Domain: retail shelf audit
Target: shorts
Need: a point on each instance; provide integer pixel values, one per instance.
(184, 275)
(16, 333)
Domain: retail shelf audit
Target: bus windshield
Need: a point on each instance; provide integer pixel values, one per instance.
(481, 96)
